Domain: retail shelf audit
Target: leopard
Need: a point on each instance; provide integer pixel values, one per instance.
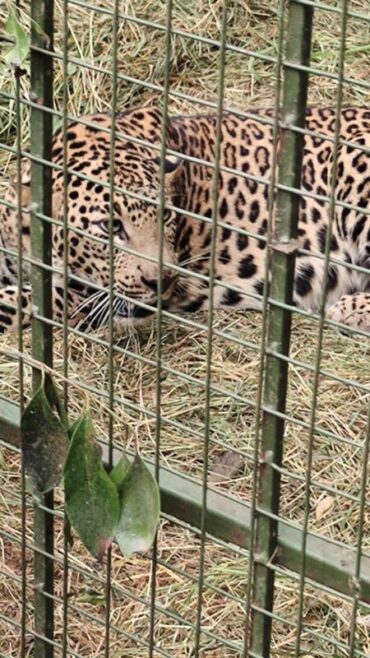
(169, 222)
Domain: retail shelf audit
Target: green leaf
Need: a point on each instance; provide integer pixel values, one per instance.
(119, 472)
(38, 29)
(140, 506)
(18, 53)
(44, 441)
(72, 428)
(55, 400)
(92, 502)
(93, 599)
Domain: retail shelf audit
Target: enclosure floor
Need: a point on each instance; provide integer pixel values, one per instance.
(336, 473)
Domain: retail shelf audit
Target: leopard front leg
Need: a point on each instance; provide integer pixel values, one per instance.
(352, 310)
(9, 301)
(9, 296)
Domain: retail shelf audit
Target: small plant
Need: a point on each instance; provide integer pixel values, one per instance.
(18, 52)
(123, 505)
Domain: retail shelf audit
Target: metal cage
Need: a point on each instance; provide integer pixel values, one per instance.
(270, 575)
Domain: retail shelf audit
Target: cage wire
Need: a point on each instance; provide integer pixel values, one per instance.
(255, 425)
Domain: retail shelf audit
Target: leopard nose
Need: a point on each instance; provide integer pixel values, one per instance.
(168, 278)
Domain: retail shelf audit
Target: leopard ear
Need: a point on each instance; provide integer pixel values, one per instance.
(172, 166)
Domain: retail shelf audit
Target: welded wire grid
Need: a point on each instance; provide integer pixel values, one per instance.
(190, 599)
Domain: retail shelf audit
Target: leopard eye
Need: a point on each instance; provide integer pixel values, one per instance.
(117, 227)
(167, 215)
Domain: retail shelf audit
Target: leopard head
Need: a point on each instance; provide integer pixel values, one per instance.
(124, 210)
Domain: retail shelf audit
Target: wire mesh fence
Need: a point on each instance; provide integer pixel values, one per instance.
(256, 425)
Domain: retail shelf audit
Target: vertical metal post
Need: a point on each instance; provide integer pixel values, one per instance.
(111, 381)
(318, 355)
(159, 325)
(210, 320)
(41, 137)
(298, 44)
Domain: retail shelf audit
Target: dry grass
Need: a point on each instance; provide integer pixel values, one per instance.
(341, 408)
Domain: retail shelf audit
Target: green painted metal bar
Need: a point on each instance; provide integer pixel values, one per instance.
(64, 125)
(328, 563)
(360, 536)
(42, 14)
(10, 423)
(315, 386)
(282, 261)
(217, 153)
(159, 325)
(111, 293)
(264, 325)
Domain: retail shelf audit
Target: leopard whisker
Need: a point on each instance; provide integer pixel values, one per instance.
(104, 318)
(194, 259)
(102, 314)
(94, 312)
(85, 302)
(96, 309)
(88, 300)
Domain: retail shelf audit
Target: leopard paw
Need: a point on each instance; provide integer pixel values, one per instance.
(352, 311)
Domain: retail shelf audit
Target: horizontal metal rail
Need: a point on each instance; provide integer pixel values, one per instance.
(328, 563)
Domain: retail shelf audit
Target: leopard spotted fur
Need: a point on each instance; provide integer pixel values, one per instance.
(243, 193)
